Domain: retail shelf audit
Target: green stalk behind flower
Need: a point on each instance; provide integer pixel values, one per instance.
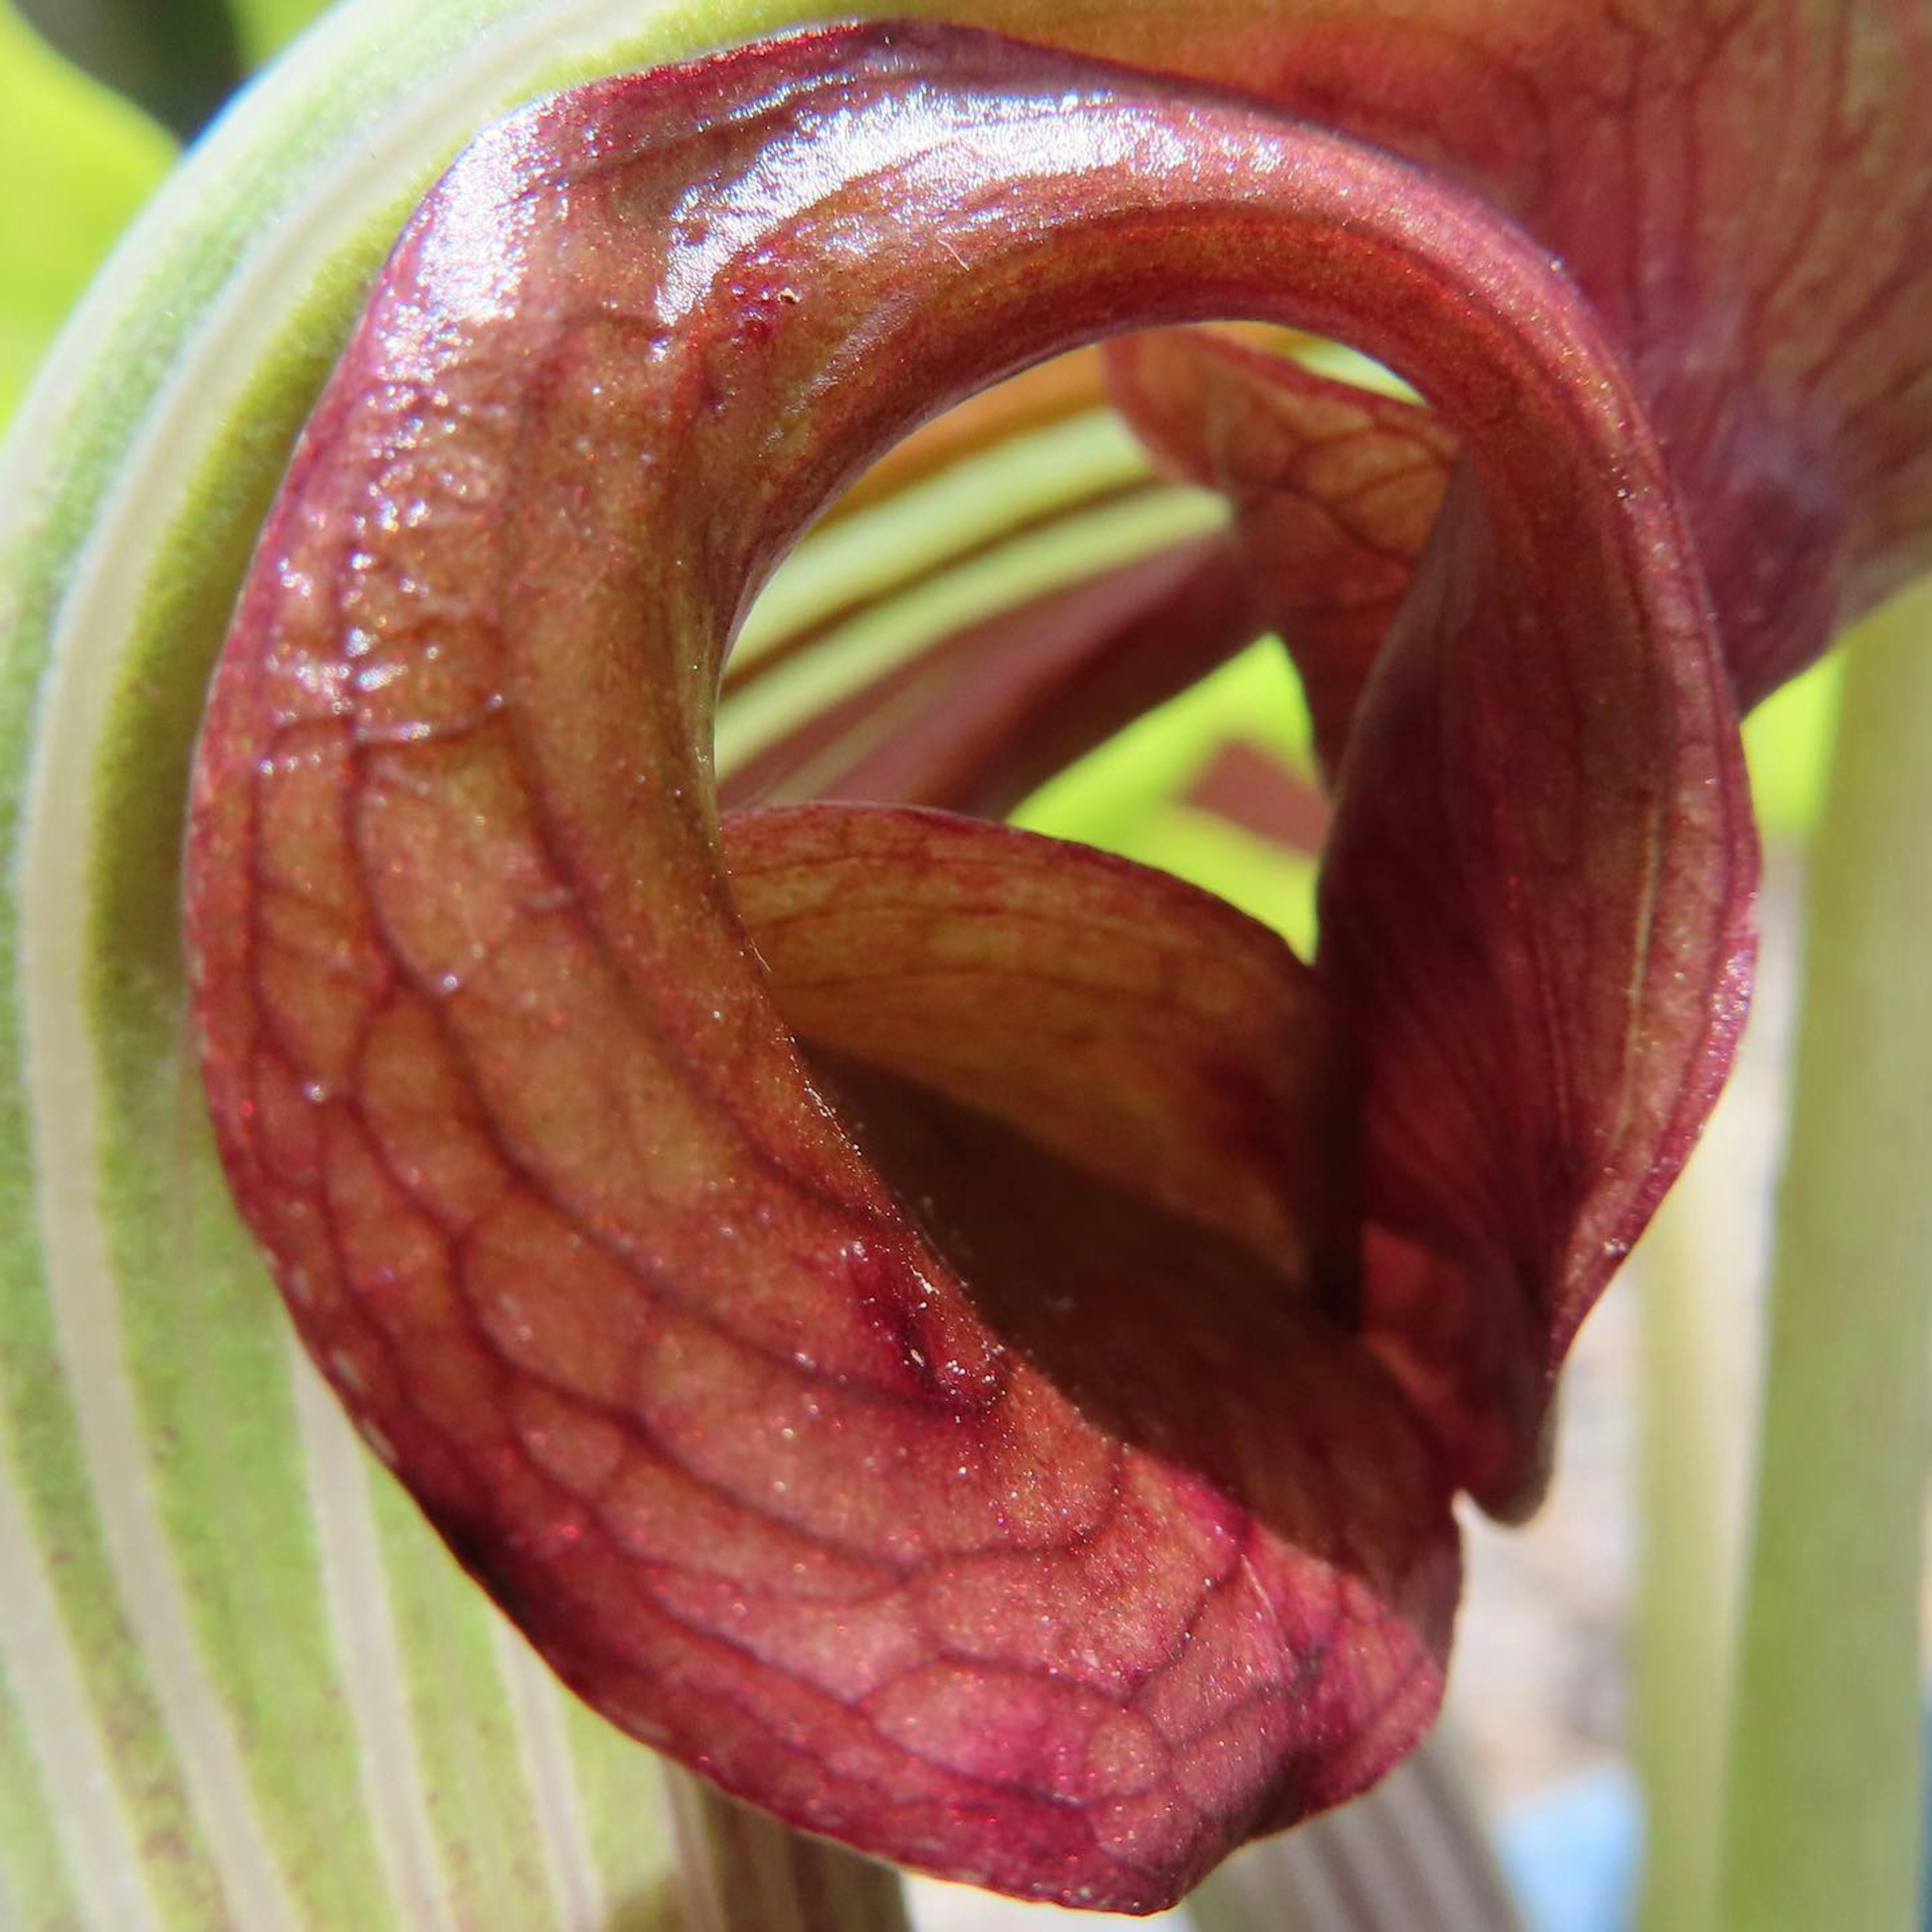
(1824, 1816)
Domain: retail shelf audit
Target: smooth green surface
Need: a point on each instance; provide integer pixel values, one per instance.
(96, 160)
(1686, 1592)
(1788, 746)
(1824, 1815)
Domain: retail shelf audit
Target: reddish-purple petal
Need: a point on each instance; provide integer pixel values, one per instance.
(1744, 191)
(1130, 1024)
(1536, 903)
(1112, 1102)
(502, 1084)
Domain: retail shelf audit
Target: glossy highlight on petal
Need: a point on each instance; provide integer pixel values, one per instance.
(973, 1425)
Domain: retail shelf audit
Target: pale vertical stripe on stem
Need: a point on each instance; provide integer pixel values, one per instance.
(92, 1340)
(371, 1662)
(1697, 1275)
(97, 1835)
(1686, 1592)
(1413, 1852)
(534, 1700)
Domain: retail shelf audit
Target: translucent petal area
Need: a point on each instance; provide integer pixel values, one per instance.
(1335, 489)
(1253, 787)
(1131, 1024)
(979, 719)
(500, 1082)
(1508, 836)
(1540, 870)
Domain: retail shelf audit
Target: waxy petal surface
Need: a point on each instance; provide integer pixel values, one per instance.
(560, 1203)
(1532, 1085)
(1774, 297)
(1536, 903)
(1128, 1025)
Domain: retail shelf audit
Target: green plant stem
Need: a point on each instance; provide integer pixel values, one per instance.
(1687, 1571)
(1822, 1822)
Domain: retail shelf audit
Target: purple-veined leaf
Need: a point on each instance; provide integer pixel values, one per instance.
(1767, 270)
(1743, 192)
(1535, 906)
(1497, 1121)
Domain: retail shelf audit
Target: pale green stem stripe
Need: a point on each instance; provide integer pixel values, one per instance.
(78, 1243)
(1823, 1821)
(68, 1841)
(1686, 1590)
(1410, 1854)
(625, 1818)
(56, 1520)
(355, 1587)
(221, 1453)
(536, 1703)
(37, 1891)
(974, 501)
(467, 1746)
(883, 637)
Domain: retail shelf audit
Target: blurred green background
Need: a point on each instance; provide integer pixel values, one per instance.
(97, 98)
